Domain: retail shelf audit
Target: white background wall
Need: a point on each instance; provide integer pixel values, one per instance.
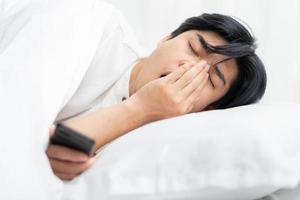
(275, 23)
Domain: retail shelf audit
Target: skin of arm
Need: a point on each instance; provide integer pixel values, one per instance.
(167, 97)
(107, 124)
(103, 125)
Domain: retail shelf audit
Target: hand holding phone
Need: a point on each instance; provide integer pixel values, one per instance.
(68, 137)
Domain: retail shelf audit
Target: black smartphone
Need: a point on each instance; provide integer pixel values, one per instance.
(68, 137)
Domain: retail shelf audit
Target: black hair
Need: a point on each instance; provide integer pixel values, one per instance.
(250, 84)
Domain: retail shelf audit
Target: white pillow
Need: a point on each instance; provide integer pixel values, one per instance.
(286, 194)
(240, 153)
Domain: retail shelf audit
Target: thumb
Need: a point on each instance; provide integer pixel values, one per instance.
(51, 130)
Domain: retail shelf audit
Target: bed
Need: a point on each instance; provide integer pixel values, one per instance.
(252, 152)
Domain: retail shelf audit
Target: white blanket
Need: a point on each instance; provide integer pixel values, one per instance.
(45, 49)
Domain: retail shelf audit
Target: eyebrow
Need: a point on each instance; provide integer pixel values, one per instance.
(203, 43)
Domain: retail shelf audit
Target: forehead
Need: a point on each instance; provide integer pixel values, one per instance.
(210, 37)
(229, 68)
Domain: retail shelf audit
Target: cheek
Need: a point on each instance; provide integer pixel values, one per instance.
(171, 54)
(146, 75)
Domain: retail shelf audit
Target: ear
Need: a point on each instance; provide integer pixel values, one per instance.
(164, 39)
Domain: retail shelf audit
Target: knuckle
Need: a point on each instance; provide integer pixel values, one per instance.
(67, 177)
(181, 110)
(51, 152)
(203, 62)
(199, 68)
(176, 101)
(180, 71)
(71, 177)
(48, 152)
(84, 166)
(191, 101)
(184, 68)
(189, 77)
(185, 77)
(52, 165)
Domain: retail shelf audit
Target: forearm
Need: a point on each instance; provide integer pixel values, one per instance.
(107, 124)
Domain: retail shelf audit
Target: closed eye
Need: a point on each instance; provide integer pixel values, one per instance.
(193, 50)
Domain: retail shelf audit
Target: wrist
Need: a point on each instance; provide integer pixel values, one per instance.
(133, 106)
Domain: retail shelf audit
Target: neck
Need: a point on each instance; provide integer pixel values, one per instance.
(133, 76)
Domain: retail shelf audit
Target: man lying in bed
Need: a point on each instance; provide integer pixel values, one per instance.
(209, 62)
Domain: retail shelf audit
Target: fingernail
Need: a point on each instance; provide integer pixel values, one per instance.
(206, 66)
(186, 67)
(201, 64)
(83, 158)
(193, 62)
(189, 66)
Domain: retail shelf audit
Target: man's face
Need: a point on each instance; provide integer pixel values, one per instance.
(186, 47)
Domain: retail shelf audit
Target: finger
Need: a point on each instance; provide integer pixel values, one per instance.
(64, 153)
(66, 167)
(51, 130)
(66, 177)
(175, 75)
(196, 82)
(197, 92)
(187, 77)
(190, 108)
